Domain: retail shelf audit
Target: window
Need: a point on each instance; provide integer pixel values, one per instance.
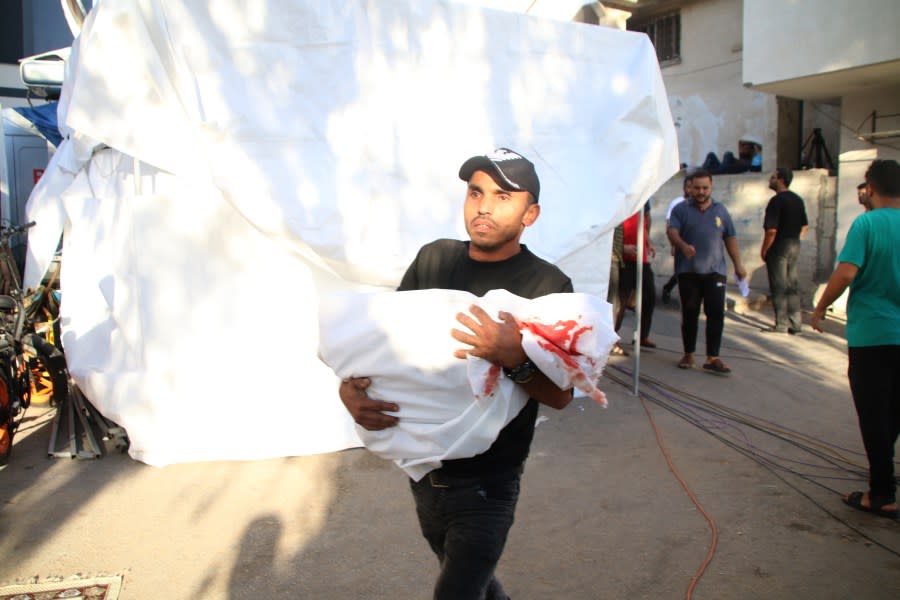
(665, 33)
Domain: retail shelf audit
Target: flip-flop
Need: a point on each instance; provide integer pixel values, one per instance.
(854, 500)
(717, 367)
(686, 362)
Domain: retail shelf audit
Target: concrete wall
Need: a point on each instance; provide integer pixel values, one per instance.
(787, 40)
(709, 104)
(856, 154)
(746, 196)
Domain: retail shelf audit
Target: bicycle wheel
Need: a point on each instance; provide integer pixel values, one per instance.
(50, 358)
(7, 422)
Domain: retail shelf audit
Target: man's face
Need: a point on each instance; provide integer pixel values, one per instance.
(686, 188)
(862, 195)
(495, 218)
(773, 181)
(701, 189)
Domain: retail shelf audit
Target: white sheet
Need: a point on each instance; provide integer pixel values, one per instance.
(286, 147)
(450, 408)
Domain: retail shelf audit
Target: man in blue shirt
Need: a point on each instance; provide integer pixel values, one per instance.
(700, 229)
(870, 264)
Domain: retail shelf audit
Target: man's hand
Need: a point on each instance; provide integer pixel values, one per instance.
(740, 271)
(498, 343)
(688, 250)
(367, 412)
(815, 321)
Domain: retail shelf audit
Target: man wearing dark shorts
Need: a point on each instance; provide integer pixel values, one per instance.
(467, 506)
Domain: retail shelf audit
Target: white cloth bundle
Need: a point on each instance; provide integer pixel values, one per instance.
(451, 408)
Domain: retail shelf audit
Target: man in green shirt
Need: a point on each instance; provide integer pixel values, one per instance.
(870, 264)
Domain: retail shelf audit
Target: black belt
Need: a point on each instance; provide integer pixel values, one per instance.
(439, 479)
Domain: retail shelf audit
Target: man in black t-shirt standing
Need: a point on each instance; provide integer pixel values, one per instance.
(466, 507)
(785, 225)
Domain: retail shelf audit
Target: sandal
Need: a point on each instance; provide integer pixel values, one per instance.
(716, 366)
(617, 350)
(686, 362)
(854, 500)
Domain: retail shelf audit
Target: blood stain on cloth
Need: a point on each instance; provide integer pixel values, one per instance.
(561, 339)
(491, 380)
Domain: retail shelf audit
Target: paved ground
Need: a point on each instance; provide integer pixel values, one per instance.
(601, 516)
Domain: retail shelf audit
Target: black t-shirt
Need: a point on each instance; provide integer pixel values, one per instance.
(445, 264)
(786, 214)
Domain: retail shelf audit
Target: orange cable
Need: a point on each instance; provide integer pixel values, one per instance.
(712, 524)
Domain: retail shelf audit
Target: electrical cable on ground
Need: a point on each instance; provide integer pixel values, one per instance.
(714, 530)
(727, 428)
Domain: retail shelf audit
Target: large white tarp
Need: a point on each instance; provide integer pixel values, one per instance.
(228, 161)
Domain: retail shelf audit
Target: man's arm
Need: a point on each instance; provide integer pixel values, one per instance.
(803, 231)
(678, 243)
(843, 275)
(768, 240)
(734, 252)
(501, 344)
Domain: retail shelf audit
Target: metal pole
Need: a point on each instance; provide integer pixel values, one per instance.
(638, 297)
(138, 184)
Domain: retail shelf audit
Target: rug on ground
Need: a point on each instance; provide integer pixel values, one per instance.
(93, 588)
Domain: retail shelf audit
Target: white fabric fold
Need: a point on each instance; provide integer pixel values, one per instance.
(450, 408)
(228, 162)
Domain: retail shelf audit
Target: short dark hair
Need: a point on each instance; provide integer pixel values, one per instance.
(700, 173)
(861, 186)
(786, 175)
(687, 179)
(884, 177)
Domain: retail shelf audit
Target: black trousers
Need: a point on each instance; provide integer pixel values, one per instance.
(466, 522)
(875, 384)
(627, 284)
(709, 290)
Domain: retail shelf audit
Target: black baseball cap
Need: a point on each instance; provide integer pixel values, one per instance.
(510, 170)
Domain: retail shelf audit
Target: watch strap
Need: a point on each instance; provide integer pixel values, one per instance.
(521, 373)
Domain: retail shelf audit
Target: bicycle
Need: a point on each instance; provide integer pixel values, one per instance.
(21, 349)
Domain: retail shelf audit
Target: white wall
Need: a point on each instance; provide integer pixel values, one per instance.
(711, 108)
(798, 38)
(746, 196)
(855, 154)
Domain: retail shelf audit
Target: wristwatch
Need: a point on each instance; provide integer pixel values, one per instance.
(522, 373)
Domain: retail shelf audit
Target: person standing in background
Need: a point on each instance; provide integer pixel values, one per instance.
(628, 275)
(785, 225)
(863, 197)
(701, 230)
(615, 267)
(673, 280)
(869, 264)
